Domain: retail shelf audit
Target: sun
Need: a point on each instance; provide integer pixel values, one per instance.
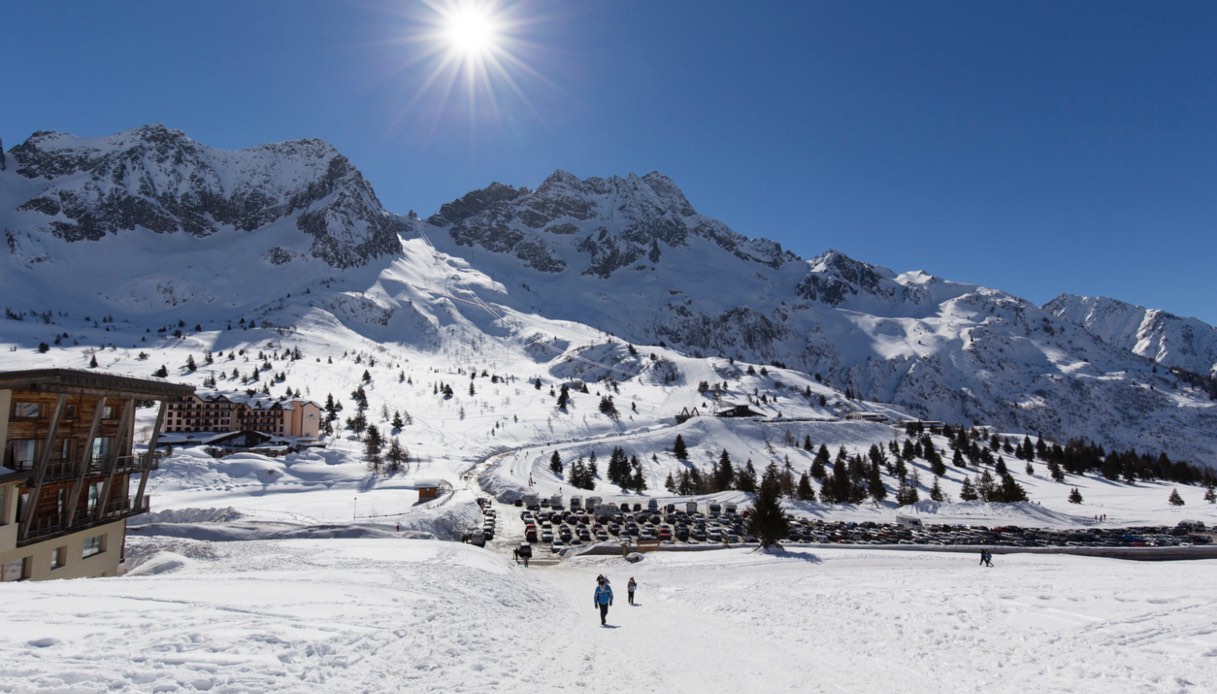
(474, 57)
(471, 31)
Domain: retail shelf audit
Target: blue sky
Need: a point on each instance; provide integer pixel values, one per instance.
(1034, 147)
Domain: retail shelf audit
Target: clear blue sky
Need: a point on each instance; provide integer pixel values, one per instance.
(1034, 147)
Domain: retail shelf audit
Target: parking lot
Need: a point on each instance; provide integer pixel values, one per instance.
(550, 526)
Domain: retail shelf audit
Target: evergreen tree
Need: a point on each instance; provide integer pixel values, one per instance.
(987, 487)
(724, 473)
(373, 444)
(967, 492)
(563, 397)
(745, 481)
(92, 361)
(555, 463)
(907, 493)
(161, 372)
(874, 485)
(957, 459)
(1175, 499)
(1075, 497)
(1010, 490)
(638, 482)
(767, 521)
(1054, 469)
(679, 450)
(805, 492)
(397, 422)
(357, 423)
(670, 484)
(936, 493)
(1210, 493)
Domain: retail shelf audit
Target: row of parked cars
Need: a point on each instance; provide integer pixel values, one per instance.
(563, 528)
(807, 530)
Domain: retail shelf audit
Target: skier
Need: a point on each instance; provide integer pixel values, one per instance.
(630, 588)
(525, 553)
(988, 558)
(603, 598)
(982, 557)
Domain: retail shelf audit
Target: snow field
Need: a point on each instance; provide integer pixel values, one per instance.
(417, 615)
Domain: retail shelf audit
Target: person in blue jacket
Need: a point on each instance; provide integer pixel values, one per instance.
(603, 598)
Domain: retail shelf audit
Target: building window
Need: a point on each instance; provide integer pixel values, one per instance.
(65, 450)
(107, 412)
(15, 569)
(93, 545)
(26, 410)
(101, 448)
(58, 557)
(69, 412)
(94, 497)
(22, 453)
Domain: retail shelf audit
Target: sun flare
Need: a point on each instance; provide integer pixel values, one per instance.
(471, 31)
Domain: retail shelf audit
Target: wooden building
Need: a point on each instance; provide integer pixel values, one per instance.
(70, 478)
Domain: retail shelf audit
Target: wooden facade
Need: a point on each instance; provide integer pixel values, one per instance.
(70, 477)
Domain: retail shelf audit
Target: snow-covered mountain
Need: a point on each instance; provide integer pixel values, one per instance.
(151, 226)
(1164, 338)
(633, 258)
(156, 179)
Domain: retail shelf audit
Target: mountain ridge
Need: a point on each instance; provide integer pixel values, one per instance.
(627, 256)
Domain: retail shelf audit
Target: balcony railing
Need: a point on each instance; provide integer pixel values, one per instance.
(53, 525)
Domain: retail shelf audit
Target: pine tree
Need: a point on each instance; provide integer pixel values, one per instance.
(396, 457)
(767, 521)
(936, 492)
(679, 450)
(805, 492)
(874, 484)
(1054, 469)
(987, 487)
(745, 481)
(161, 372)
(563, 397)
(1210, 493)
(555, 464)
(967, 492)
(637, 482)
(1175, 499)
(1075, 497)
(397, 422)
(92, 361)
(907, 494)
(724, 474)
(670, 484)
(372, 446)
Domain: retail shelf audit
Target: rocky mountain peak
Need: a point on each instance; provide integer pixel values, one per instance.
(156, 178)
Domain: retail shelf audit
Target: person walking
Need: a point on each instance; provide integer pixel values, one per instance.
(982, 557)
(988, 558)
(630, 588)
(603, 598)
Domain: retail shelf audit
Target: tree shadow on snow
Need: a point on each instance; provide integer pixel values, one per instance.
(783, 553)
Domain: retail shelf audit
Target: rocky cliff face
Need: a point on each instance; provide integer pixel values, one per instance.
(596, 226)
(158, 179)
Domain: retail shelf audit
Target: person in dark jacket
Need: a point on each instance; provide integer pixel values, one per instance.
(603, 598)
(630, 588)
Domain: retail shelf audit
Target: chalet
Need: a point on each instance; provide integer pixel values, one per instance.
(219, 412)
(738, 411)
(70, 477)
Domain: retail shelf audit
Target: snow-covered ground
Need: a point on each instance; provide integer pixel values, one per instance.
(391, 614)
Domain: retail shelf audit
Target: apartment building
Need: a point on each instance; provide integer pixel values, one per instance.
(70, 477)
(218, 412)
